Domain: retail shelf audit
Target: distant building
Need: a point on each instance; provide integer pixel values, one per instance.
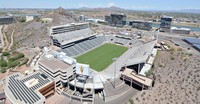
(31, 17)
(116, 19)
(82, 18)
(108, 19)
(6, 20)
(144, 25)
(124, 23)
(165, 23)
(47, 20)
(166, 26)
(180, 30)
(91, 20)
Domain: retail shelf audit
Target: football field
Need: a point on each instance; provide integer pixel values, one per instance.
(101, 57)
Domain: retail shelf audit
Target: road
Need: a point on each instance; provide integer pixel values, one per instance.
(124, 98)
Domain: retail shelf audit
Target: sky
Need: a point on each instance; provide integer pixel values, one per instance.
(127, 4)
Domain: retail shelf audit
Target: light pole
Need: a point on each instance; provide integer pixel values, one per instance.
(156, 34)
(114, 59)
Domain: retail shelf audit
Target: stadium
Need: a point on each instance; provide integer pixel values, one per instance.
(85, 65)
(105, 57)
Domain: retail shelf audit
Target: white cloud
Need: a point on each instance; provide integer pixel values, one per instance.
(111, 4)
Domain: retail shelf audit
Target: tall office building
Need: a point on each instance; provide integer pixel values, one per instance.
(139, 24)
(165, 23)
(116, 19)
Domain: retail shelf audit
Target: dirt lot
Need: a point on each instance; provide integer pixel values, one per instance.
(177, 80)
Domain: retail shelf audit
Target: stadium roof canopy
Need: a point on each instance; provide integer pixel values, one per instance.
(142, 54)
(193, 40)
(66, 37)
(197, 45)
(137, 60)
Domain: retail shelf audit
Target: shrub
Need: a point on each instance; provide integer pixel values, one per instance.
(160, 65)
(131, 101)
(148, 73)
(5, 53)
(15, 53)
(13, 64)
(185, 59)
(3, 63)
(190, 54)
(172, 49)
(198, 88)
(22, 19)
(172, 58)
(179, 49)
(16, 57)
(2, 69)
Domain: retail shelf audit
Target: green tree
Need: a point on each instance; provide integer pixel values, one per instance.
(13, 64)
(5, 53)
(3, 63)
(16, 57)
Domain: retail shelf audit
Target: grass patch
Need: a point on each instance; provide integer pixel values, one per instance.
(101, 57)
(172, 58)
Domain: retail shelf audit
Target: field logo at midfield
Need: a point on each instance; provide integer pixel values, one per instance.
(82, 69)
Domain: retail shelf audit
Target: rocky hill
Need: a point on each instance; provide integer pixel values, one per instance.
(177, 80)
(35, 33)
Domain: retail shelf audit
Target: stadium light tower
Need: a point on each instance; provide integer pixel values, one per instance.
(114, 59)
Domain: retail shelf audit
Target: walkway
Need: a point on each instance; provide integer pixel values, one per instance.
(1, 37)
(12, 38)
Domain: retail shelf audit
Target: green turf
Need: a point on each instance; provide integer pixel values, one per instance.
(101, 57)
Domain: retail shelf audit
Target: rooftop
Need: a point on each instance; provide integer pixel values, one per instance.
(72, 24)
(19, 89)
(139, 78)
(66, 37)
(167, 17)
(54, 64)
(6, 17)
(176, 28)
